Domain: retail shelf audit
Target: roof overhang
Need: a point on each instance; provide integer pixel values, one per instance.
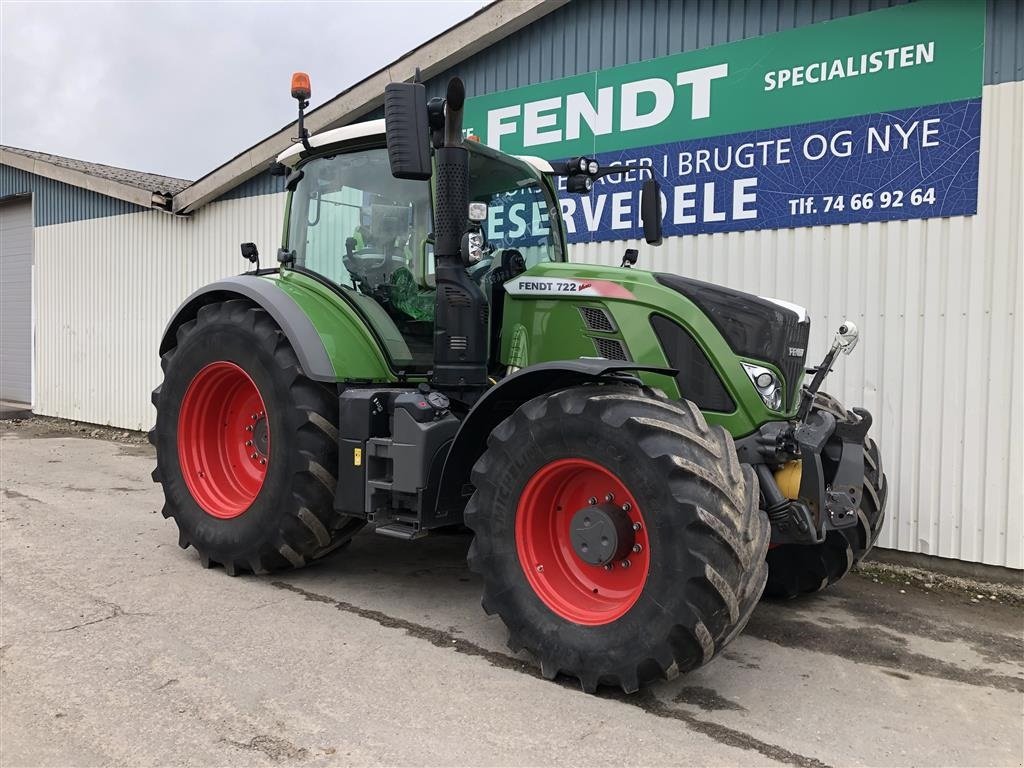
(484, 28)
(141, 197)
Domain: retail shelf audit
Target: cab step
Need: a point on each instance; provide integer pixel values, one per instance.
(403, 531)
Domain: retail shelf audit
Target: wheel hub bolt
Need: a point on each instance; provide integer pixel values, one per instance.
(249, 428)
(609, 567)
(638, 548)
(254, 417)
(253, 456)
(609, 496)
(626, 507)
(540, 569)
(636, 526)
(625, 563)
(592, 500)
(248, 442)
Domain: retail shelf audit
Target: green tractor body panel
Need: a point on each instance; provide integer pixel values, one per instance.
(356, 353)
(543, 323)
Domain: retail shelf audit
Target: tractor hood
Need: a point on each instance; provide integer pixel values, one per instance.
(712, 335)
(754, 327)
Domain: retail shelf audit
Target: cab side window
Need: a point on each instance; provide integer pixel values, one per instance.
(352, 222)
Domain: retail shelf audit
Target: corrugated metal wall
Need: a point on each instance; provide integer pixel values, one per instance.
(106, 287)
(588, 35)
(938, 303)
(54, 202)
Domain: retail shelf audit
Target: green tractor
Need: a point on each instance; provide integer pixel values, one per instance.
(636, 454)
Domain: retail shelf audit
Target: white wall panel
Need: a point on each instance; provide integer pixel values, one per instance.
(106, 287)
(938, 302)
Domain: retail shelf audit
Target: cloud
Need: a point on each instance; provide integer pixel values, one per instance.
(179, 88)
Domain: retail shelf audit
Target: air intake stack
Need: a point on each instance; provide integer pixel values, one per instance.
(460, 325)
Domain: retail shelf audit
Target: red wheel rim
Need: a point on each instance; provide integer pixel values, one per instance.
(574, 589)
(223, 440)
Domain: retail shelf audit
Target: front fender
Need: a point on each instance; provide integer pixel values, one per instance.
(501, 400)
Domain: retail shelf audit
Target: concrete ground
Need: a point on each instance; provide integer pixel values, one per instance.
(118, 648)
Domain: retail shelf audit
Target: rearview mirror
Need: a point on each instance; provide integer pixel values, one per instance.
(250, 252)
(651, 212)
(407, 127)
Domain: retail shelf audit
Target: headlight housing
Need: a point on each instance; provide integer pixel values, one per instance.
(767, 385)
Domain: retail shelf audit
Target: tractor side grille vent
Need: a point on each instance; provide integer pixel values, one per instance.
(456, 296)
(611, 349)
(596, 319)
(458, 343)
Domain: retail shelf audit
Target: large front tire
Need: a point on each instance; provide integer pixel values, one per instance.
(246, 445)
(795, 569)
(695, 538)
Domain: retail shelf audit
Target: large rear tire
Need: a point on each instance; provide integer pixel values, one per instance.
(680, 502)
(246, 445)
(795, 569)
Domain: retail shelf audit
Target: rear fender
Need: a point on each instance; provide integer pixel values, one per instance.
(501, 400)
(296, 325)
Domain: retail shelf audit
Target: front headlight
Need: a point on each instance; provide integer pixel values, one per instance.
(767, 385)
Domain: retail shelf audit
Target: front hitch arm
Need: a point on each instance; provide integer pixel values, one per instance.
(845, 340)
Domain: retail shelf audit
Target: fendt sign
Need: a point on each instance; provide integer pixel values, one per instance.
(538, 122)
(869, 118)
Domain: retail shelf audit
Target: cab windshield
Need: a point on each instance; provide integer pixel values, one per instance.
(522, 213)
(369, 233)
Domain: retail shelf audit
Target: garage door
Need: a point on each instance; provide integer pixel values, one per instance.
(16, 301)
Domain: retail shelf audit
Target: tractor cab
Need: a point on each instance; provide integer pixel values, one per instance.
(353, 223)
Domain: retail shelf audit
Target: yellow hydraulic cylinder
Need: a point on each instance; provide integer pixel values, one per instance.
(788, 478)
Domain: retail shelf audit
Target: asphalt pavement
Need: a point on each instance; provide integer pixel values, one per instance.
(117, 648)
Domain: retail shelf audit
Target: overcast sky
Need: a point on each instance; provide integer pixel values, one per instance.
(178, 88)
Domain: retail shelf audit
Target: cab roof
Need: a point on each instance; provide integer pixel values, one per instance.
(370, 129)
(290, 156)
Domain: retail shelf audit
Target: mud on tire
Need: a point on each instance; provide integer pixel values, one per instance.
(291, 520)
(794, 569)
(706, 536)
